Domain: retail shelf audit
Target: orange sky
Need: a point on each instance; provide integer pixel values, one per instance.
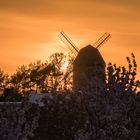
(29, 28)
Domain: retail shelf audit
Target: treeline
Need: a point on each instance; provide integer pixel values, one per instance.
(37, 77)
(49, 76)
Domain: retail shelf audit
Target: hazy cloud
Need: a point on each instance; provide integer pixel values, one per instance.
(26, 25)
(68, 8)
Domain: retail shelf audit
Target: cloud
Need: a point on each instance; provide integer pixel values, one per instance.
(69, 8)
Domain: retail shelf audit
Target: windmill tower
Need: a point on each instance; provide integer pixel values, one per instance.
(89, 65)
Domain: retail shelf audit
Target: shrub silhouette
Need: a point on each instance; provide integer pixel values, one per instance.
(84, 115)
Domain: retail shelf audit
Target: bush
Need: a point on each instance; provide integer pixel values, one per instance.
(18, 120)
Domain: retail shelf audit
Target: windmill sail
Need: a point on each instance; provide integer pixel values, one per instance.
(66, 40)
(101, 40)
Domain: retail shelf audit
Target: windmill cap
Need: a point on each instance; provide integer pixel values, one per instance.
(89, 56)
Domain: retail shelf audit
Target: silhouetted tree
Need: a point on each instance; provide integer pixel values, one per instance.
(121, 80)
(38, 75)
(61, 79)
(20, 80)
(3, 80)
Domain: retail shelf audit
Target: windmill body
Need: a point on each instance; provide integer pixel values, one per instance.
(89, 70)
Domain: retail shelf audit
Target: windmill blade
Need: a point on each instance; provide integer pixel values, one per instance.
(67, 41)
(69, 47)
(101, 40)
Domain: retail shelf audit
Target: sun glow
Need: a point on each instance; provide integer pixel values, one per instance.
(65, 65)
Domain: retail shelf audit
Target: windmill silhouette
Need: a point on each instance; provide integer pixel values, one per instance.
(88, 65)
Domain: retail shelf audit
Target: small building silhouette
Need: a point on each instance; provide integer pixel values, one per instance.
(89, 70)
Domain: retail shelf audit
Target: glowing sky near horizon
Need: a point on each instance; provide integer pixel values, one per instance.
(29, 29)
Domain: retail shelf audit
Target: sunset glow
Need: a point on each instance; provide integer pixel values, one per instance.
(29, 29)
(65, 66)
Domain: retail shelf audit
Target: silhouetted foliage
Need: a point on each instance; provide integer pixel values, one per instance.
(3, 80)
(39, 77)
(18, 120)
(88, 116)
(113, 114)
(121, 80)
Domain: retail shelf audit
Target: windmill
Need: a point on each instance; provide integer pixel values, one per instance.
(88, 65)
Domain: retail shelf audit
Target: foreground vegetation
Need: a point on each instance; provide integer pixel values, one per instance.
(77, 115)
